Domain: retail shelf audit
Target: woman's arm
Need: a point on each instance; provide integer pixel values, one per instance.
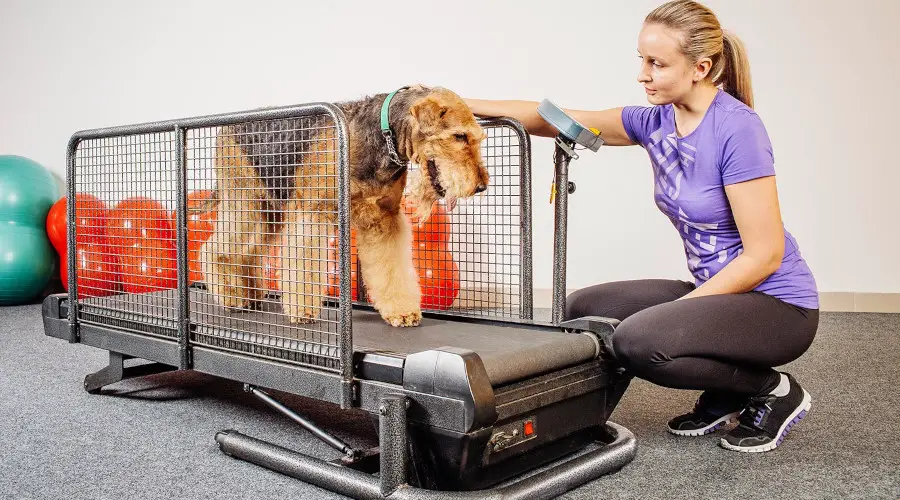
(608, 121)
(757, 214)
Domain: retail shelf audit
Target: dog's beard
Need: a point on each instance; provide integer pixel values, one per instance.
(421, 193)
(439, 190)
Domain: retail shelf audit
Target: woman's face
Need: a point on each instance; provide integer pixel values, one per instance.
(666, 74)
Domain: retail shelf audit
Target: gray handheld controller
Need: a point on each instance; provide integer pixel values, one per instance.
(569, 127)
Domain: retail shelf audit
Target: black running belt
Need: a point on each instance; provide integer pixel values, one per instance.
(509, 352)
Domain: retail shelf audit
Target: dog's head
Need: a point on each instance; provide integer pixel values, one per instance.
(446, 141)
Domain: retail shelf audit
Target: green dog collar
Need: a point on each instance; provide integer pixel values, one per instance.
(386, 128)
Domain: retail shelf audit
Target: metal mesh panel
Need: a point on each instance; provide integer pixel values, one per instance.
(125, 192)
(476, 259)
(258, 248)
(490, 234)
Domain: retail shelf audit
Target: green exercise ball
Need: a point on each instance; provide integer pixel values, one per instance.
(27, 260)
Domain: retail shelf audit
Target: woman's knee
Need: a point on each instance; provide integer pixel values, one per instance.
(580, 303)
(634, 344)
(630, 343)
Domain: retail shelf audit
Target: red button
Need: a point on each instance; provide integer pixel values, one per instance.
(529, 428)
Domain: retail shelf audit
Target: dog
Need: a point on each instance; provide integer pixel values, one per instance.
(276, 181)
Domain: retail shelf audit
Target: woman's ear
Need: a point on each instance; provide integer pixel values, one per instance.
(702, 68)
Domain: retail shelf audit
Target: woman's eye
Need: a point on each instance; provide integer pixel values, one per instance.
(461, 137)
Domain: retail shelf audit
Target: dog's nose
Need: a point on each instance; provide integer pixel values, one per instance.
(480, 188)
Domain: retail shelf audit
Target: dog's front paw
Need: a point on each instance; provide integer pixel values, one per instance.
(413, 318)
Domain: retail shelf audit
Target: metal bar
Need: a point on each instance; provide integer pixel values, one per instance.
(345, 314)
(332, 441)
(71, 250)
(137, 346)
(565, 475)
(350, 482)
(561, 161)
(308, 382)
(392, 424)
(181, 243)
(526, 224)
(272, 113)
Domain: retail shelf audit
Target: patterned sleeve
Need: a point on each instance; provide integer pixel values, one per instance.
(638, 121)
(746, 151)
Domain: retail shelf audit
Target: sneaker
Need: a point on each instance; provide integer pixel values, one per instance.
(712, 411)
(767, 419)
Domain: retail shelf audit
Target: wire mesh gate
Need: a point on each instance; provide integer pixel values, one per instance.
(176, 236)
(476, 260)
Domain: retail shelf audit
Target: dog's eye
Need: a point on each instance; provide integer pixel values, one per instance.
(461, 137)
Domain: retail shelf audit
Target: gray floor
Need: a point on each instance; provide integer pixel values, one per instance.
(153, 437)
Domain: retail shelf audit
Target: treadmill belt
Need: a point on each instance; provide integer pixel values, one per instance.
(509, 352)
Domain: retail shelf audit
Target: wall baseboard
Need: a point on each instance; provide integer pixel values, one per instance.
(828, 301)
(860, 302)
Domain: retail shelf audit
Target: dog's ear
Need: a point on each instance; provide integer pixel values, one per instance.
(428, 111)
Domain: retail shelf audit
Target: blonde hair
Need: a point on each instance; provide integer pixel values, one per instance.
(703, 36)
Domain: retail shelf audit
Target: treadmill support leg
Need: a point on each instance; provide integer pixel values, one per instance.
(116, 371)
(392, 424)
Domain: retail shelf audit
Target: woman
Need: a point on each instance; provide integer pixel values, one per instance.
(753, 304)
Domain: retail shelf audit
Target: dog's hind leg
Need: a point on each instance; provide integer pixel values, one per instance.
(385, 254)
(309, 221)
(233, 256)
(304, 261)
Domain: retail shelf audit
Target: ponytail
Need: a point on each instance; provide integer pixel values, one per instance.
(735, 76)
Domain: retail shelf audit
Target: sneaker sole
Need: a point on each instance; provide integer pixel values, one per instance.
(795, 417)
(712, 427)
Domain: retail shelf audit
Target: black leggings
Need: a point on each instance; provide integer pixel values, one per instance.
(721, 343)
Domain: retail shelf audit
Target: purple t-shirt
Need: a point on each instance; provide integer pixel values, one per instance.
(690, 174)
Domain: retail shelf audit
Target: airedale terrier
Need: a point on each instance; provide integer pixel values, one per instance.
(276, 181)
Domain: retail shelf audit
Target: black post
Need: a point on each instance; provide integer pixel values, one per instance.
(561, 157)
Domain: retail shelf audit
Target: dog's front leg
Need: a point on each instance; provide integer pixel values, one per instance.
(385, 254)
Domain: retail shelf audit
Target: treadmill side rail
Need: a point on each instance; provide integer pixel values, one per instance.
(457, 374)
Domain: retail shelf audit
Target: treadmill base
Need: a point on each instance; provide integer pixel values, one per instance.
(560, 477)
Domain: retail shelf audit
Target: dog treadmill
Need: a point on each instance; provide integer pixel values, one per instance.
(472, 403)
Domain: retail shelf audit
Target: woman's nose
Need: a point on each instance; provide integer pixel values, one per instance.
(643, 75)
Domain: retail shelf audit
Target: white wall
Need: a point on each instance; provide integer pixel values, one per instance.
(824, 73)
